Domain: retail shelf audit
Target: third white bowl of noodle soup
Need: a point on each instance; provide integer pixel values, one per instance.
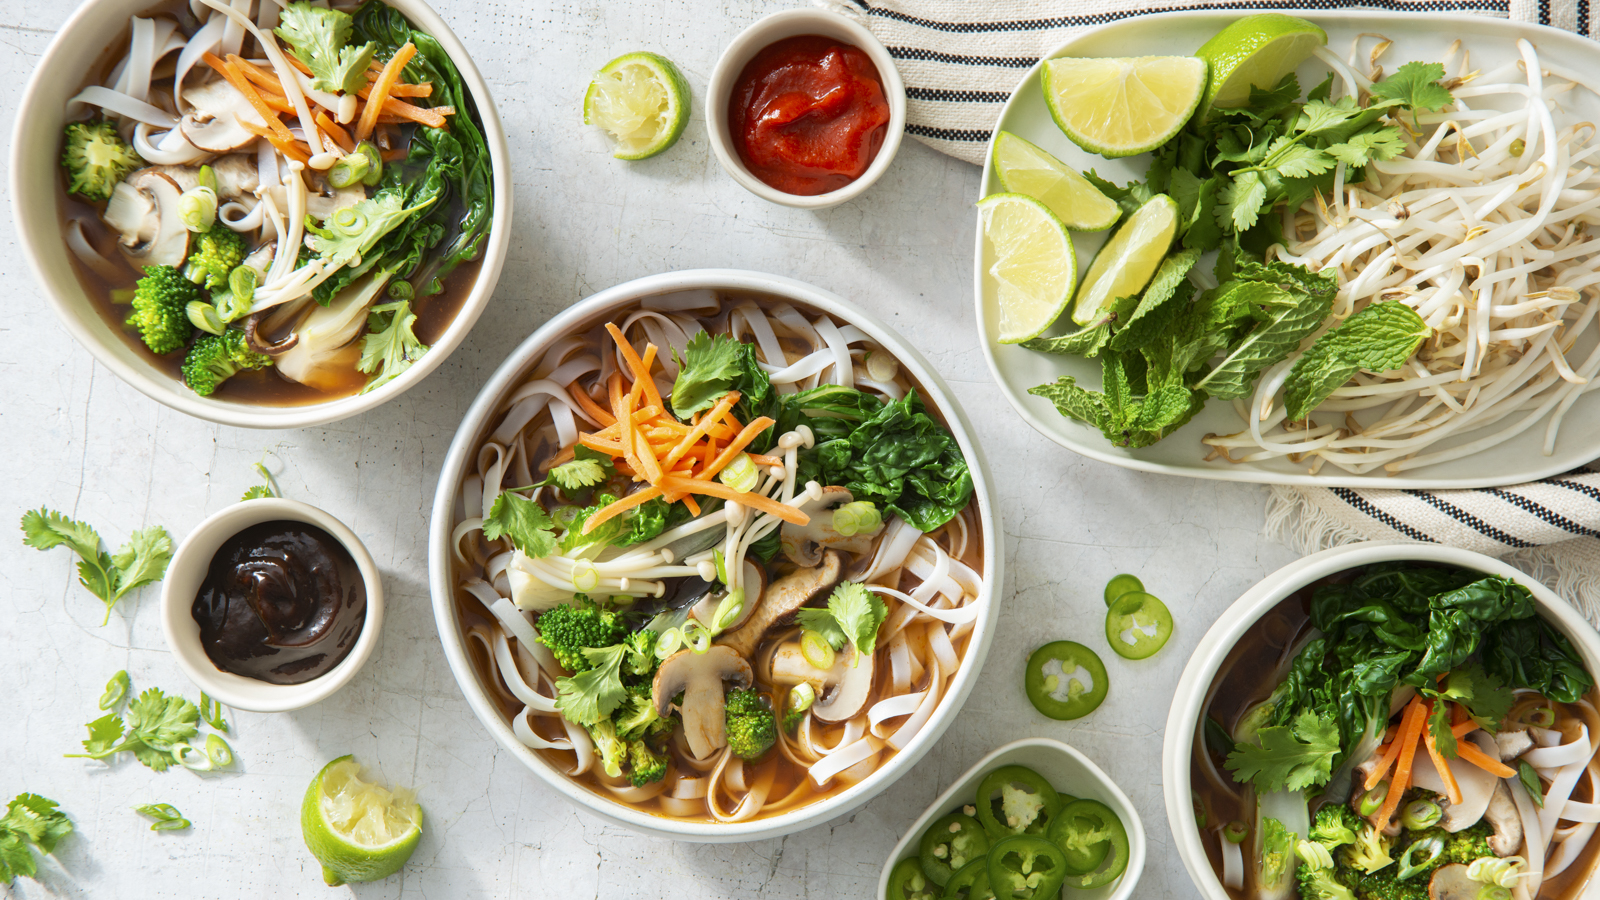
(1263, 607)
(855, 757)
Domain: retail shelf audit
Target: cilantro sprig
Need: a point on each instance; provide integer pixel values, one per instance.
(142, 560)
(31, 821)
(853, 615)
(1289, 757)
(155, 729)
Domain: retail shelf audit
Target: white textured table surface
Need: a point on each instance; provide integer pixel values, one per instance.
(74, 438)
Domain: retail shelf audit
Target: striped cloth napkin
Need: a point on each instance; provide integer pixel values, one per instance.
(961, 58)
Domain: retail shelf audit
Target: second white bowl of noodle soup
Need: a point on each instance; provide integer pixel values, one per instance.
(456, 609)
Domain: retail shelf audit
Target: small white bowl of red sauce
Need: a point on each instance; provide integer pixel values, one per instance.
(271, 605)
(806, 109)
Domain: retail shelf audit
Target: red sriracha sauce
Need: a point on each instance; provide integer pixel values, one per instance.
(808, 114)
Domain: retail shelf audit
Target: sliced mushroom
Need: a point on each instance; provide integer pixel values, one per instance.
(1513, 744)
(699, 677)
(324, 199)
(1477, 787)
(144, 210)
(781, 599)
(1503, 818)
(754, 584)
(803, 544)
(1451, 883)
(213, 121)
(236, 175)
(842, 690)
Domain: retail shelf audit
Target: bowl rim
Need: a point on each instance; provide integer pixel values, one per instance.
(39, 240)
(477, 422)
(1137, 843)
(753, 40)
(1094, 446)
(1193, 684)
(188, 569)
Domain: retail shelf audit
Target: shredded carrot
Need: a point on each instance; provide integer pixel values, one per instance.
(1411, 727)
(395, 111)
(750, 498)
(380, 90)
(592, 408)
(1385, 762)
(756, 426)
(1390, 732)
(231, 73)
(1464, 728)
(1469, 751)
(332, 130)
(761, 459)
(701, 428)
(641, 369)
(266, 78)
(393, 155)
(291, 148)
(619, 507)
(689, 501)
(1451, 789)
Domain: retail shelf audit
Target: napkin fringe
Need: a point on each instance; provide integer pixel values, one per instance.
(1570, 568)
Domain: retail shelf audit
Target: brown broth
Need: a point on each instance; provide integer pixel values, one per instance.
(789, 779)
(261, 387)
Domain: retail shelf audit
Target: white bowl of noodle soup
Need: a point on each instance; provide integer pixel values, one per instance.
(882, 751)
(1261, 610)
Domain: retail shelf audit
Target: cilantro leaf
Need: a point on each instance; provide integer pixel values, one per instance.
(390, 346)
(593, 694)
(1486, 701)
(43, 529)
(104, 735)
(821, 620)
(1289, 757)
(30, 821)
(1444, 740)
(1379, 338)
(523, 521)
(267, 488)
(1416, 85)
(140, 561)
(343, 236)
(859, 612)
(711, 365)
(159, 721)
(318, 38)
(1241, 200)
(577, 474)
(1361, 149)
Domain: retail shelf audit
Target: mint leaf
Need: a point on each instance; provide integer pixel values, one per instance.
(1416, 85)
(1279, 333)
(1161, 297)
(1288, 276)
(1377, 339)
(523, 521)
(1087, 342)
(821, 621)
(1076, 402)
(1289, 757)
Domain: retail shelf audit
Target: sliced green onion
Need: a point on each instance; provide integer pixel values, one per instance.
(1235, 832)
(219, 751)
(1498, 872)
(721, 564)
(116, 689)
(816, 650)
(166, 815)
(191, 757)
(207, 178)
(1543, 717)
(858, 517)
(1373, 799)
(742, 474)
(1419, 856)
(668, 643)
(374, 163)
(401, 290)
(242, 284)
(1420, 814)
(696, 636)
(1314, 855)
(205, 317)
(197, 208)
(585, 577)
(210, 709)
(350, 220)
(801, 696)
(728, 610)
(1518, 146)
(350, 170)
(880, 366)
(1530, 780)
(1494, 892)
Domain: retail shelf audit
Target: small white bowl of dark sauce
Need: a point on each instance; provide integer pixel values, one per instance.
(288, 671)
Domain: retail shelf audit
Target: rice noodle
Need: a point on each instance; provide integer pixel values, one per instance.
(81, 248)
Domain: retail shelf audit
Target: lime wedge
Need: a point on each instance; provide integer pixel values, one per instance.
(359, 830)
(1128, 260)
(1256, 51)
(642, 100)
(1119, 107)
(1033, 266)
(1023, 168)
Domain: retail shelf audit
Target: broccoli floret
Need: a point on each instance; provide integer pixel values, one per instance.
(1384, 886)
(637, 716)
(613, 750)
(644, 764)
(217, 357)
(751, 725)
(791, 720)
(1322, 884)
(160, 308)
(1336, 826)
(1370, 852)
(1465, 846)
(642, 653)
(96, 158)
(569, 628)
(212, 256)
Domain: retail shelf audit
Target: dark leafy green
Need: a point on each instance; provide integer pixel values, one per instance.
(900, 459)
(446, 168)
